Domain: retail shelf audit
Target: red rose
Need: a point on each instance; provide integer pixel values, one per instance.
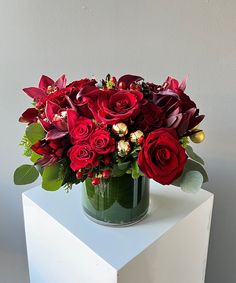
(102, 142)
(162, 158)
(114, 106)
(150, 118)
(80, 128)
(82, 156)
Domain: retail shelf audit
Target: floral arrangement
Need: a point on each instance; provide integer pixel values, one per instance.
(102, 129)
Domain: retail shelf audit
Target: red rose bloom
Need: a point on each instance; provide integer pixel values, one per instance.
(114, 106)
(80, 128)
(162, 158)
(82, 156)
(102, 142)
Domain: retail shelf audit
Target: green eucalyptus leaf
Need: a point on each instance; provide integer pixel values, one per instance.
(191, 181)
(135, 170)
(40, 169)
(25, 174)
(35, 132)
(52, 177)
(177, 182)
(193, 155)
(191, 165)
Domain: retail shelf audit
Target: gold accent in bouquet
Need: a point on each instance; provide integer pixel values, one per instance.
(123, 148)
(120, 129)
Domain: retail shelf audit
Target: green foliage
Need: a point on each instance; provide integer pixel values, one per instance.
(124, 165)
(191, 181)
(191, 166)
(53, 177)
(120, 169)
(110, 84)
(193, 155)
(35, 157)
(135, 170)
(27, 146)
(184, 141)
(135, 152)
(195, 166)
(25, 174)
(34, 132)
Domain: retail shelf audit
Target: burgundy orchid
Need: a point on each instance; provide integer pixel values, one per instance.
(129, 79)
(46, 86)
(29, 116)
(51, 151)
(180, 111)
(55, 123)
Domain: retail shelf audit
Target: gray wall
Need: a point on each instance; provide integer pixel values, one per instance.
(153, 38)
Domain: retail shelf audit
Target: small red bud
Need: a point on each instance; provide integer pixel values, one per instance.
(113, 79)
(138, 87)
(96, 181)
(90, 174)
(132, 86)
(106, 173)
(122, 85)
(79, 175)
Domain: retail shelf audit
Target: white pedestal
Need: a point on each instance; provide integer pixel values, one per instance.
(168, 246)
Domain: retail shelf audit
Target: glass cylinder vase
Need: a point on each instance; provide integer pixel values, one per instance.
(116, 201)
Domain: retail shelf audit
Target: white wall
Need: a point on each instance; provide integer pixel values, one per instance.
(154, 38)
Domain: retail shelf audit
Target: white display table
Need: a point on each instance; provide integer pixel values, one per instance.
(169, 246)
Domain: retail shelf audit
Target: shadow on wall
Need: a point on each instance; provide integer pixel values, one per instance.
(222, 253)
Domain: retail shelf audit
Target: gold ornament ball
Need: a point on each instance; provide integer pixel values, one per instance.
(120, 129)
(136, 136)
(198, 137)
(123, 148)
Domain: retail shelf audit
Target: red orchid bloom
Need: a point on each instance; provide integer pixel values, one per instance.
(55, 123)
(180, 111)
(46, 86)
(51, 151)
(29, 116)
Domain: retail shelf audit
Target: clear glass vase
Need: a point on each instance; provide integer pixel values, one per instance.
(117, 201)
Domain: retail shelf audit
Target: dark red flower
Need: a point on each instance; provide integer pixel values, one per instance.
(114, 106)
(102, 142)
(55, 122)
(80, 128)
(180, 111)
(162, 157)
(150, 118)
(51, 151)
(129, 79)
(82, 156)
(46, 86)
(29, 116)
